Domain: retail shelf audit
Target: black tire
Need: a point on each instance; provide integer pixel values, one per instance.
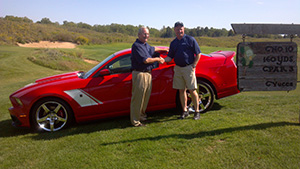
(51, 114)
(206, 94)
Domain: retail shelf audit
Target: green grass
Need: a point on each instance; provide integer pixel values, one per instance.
(59, 60)
(248, 130)
(100, 52)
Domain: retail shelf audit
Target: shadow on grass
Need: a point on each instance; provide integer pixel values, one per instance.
(216, 107)
(7, 130)
(103, 125)
(112, 123)
(261, 126)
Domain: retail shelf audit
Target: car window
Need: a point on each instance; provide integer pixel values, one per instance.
(120, 65)
(123, 64)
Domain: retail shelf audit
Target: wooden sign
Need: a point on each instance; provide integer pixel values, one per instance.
(267, 66)
(290, 29)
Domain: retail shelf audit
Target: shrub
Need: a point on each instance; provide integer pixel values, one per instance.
(81, 40)
(60, 60)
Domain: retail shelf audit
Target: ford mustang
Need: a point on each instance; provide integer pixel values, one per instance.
(52, 103)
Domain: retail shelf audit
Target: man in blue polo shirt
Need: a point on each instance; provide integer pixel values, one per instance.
(186, 53)
(141, 65)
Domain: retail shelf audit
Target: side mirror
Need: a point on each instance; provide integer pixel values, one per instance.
(104, 72)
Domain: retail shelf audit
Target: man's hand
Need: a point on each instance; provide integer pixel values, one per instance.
(156, 59)
(161, 60)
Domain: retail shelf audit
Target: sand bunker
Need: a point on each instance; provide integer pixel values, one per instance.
(48, 44)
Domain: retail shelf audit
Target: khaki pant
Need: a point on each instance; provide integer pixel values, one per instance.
(141, 91)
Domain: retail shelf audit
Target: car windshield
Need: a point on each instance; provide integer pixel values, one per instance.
(87, 74)
(206, 55)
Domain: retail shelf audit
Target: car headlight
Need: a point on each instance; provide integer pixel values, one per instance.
(18, 101)
(29, 84)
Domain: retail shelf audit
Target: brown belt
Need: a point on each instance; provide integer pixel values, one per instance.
(145, 71)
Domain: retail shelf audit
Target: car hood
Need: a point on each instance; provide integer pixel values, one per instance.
(59, 77)
(47, 81)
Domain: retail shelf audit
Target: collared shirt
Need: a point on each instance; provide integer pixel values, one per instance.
(183, 51)
(139, 53)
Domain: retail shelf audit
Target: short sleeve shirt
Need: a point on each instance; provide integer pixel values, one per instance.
(183, 51)
(139, 53)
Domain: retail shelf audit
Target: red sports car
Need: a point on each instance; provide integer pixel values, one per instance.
(51, 103)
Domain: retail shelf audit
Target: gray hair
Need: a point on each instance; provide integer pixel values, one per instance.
(141, 29)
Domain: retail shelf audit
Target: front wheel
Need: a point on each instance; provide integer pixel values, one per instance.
(206, 97)
(51, 114)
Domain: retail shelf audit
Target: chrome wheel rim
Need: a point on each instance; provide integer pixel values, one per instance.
(205, 98)
(51, 116)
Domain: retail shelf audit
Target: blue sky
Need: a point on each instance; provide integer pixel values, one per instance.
(156, 13)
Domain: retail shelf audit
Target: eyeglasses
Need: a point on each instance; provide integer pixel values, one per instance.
(145, 34)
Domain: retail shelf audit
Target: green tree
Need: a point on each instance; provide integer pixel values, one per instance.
(45, 21)
(19, 19)
(84, 25)
(230, 32)
(69, 24)
(168, 33)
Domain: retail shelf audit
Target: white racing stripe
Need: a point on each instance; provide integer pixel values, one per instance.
(83, 98)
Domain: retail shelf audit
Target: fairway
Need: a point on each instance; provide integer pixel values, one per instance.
(247, 130)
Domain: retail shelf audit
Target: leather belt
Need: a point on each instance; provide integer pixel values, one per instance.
(145, 71)
(184, 65)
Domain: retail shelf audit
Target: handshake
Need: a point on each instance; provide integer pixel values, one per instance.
(161, 60)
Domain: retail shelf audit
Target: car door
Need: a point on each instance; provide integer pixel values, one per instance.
(162, 85)
(114, 89)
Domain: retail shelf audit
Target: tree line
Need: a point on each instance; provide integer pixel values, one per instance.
(23, 30)
(165, 32)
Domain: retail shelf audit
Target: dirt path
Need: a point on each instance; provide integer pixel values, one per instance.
(48, 44)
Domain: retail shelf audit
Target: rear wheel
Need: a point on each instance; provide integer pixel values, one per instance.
(206, 97)
(51, 114)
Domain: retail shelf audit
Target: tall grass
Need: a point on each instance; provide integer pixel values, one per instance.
(59, 60)
(248, 130)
